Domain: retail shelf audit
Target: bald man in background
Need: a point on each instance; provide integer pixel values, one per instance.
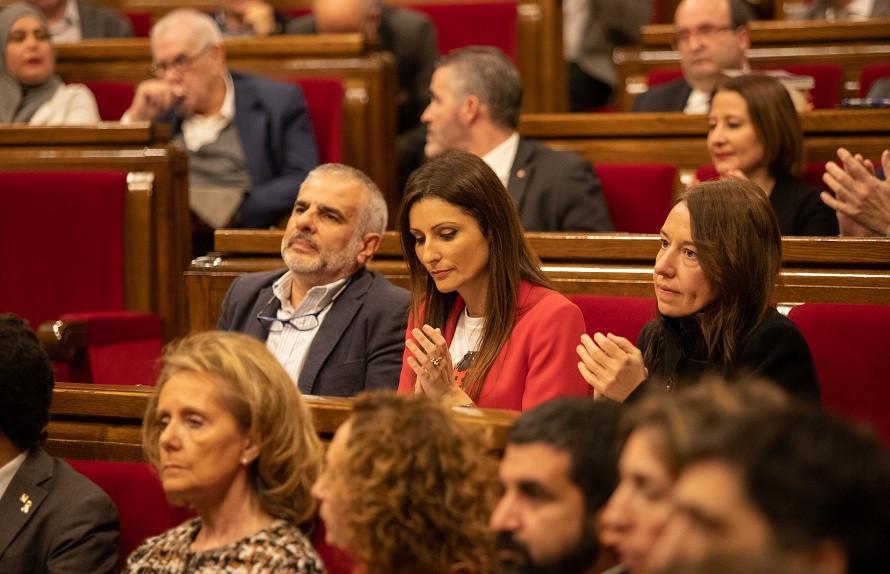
(410, 36)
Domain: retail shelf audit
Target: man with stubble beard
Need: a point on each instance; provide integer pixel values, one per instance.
(337, 328)
(559, 469)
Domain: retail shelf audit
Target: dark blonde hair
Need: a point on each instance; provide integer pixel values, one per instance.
(739, 245)
(420, 488)
(263, 400)
(775, 121)
(465, 181)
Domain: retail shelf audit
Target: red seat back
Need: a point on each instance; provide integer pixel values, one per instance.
(849, 346)
(324, 98)
(113, 98)
(638, 194)
(141, 22)
(135, 490)
(623, 316)
(474, 24)
(869, 75)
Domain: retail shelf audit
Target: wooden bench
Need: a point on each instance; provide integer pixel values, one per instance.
(103, 422)
(852, 45)
(369, 114)
(682, 139)
(828, 269)
(157, 228)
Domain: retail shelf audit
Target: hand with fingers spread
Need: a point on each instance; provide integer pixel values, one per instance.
(612, 365)
(861, 201)
(431, 362)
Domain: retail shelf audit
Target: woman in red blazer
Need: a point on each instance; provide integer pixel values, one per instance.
(486, 329)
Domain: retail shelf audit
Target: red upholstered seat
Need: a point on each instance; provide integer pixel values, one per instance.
(849, 346)
(623, 316)
(141, 22)
(324, 98)
(638, 194)
(870, 74)
(135, 490)
(113, 98)
(474, 24)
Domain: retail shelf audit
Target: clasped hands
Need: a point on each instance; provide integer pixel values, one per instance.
(612, 365)
(431, 362)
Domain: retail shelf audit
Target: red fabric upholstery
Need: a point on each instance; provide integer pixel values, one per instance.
(324, 97)
(849, 346)
(135, 489)
(113, 98)
(61, 242)
(141, 22)
(471, 24)
(623, 316)
(655, 77)
(335, 560)
(638, 195)
(124, 346)
(812, 173)
(869, 75)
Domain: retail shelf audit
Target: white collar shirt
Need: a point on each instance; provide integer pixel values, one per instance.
(501, 158)
(8, 471)
(199, 130)
(67, 29)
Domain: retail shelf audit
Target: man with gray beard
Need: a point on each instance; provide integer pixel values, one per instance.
(337, 328)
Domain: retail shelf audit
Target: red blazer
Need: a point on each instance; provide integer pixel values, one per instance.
(537, 363)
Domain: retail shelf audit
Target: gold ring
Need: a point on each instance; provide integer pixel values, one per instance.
(436, 361)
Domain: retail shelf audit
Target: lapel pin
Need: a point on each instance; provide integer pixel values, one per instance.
(27, 503)
(520, 174)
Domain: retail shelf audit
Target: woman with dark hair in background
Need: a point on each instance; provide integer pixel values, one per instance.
(486, 328)
(714, 279)
(755, 134)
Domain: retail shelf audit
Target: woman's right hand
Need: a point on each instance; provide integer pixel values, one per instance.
(612, 365)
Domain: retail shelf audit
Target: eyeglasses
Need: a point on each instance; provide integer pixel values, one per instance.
(300, 322)
(704, 32)
(180, 63)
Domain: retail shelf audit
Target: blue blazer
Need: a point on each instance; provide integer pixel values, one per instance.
(279, 146)
(359, 344)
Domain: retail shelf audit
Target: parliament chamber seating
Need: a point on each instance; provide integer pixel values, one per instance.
(849, 346)
(324, 98)
(638, 195)
(870, 74)
(141, 22)
(812, 173)
(113, 98)
(622, 316)
(473, 24)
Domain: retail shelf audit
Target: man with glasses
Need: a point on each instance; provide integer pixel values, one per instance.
(337, 328)
(711, 37)
(249, 139)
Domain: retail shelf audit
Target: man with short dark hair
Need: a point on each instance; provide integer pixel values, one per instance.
(712, 37)
(476, 100)
(52, 519)
(559, 469)
(802, 486)
(337, 327)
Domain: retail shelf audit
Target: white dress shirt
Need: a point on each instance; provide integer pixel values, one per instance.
(501, 158)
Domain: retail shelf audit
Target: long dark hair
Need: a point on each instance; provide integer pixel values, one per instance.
(739, 247)
(465, 181)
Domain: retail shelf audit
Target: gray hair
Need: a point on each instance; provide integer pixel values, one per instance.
(204, 30)
(373, 213)
(488, 74)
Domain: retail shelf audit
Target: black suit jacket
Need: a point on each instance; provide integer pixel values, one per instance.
(102, 22)
(556, 190)
(70, 526)
(667, 97)
(359, 345)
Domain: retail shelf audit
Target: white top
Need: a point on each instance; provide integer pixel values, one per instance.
(290, 345)
(467, 336)
(501, 158)
(8, 471)
(72, 104)
(198, 130)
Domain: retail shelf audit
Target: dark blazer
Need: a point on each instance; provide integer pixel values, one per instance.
(71, 525)
(411, 38)
(279, 146)
(667, 97)
(881, 9)
(102, 22)
(800, 210)
(359, 344)
(556, 190)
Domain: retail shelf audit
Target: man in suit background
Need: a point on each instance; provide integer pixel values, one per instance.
(410, 37)
(711, 36)
(249, 139)
(52, 519)
(337, 328)
(76, 20)
(476, 97)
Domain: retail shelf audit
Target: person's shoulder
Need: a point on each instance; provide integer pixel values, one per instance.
(262, 84)
(660, 98)
(404, 17)
(537, 299)
(286, 549)
(544, 153)
(258, 280)
(775, 330)
(381, 284)
(156, 553)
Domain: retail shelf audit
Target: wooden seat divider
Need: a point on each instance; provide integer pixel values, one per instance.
(369, 102)
(825, 269)
(103, 422)
(157, 239)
